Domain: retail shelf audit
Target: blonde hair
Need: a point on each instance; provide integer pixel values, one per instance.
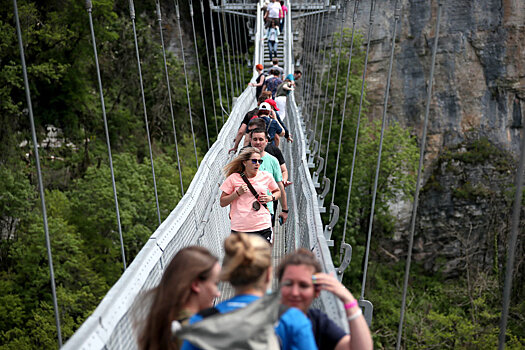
(236, 166)
(247, 257)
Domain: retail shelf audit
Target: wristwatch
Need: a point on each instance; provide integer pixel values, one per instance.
(285, 210)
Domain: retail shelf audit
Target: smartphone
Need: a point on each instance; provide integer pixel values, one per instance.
(280, 220)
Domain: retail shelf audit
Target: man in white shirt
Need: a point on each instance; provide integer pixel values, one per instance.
(273, 12)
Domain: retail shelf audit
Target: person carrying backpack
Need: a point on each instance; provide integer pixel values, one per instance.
(272, 82)
(248, 267)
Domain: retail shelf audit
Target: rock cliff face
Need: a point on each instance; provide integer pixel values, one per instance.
(478, 94)
(479, 81)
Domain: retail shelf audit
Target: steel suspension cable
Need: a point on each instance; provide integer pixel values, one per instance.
(317, 78)
(177, 10)
(356, 137)
(106, 130)
(238, 34)
(132, 16)
(232, 91)
(159, 19)
(321, 87)
(217, 66)
(309, 64)
(312, 55)
(190, 3)
(418, 181)
(354, 18)
(516, 208)
(306, 45)
(224, 62)
(209, 68)
(321, 135)
(335, 88)
(39, 174)
(231, 31)
(306, 65)
(383, 124)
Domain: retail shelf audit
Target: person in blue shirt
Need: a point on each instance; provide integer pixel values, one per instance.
(301, 281)
(248, 267)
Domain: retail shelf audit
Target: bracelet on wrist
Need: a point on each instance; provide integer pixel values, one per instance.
(355, 315)
(351, 304)
(238, 195)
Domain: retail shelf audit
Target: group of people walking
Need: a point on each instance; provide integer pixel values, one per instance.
(182, 302)
(181, 314)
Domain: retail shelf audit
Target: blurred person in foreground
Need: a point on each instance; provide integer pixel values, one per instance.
(301, 280)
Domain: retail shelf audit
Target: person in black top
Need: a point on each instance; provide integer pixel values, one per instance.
(301, 281)
(259, 81)
(244, 124)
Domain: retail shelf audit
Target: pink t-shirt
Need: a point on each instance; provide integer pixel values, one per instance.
(243, 217)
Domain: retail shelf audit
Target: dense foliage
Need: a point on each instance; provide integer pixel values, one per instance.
(79, 197)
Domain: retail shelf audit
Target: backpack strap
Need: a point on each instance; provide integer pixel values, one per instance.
(208, 312)
(282, 309)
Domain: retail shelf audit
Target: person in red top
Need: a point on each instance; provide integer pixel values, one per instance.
(248, 213)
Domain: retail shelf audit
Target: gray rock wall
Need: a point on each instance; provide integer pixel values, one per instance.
(478, 93)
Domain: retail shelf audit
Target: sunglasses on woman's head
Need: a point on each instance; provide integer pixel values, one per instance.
(255, 161)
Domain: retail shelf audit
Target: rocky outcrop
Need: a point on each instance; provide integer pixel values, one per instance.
(479, 82)
(478, 99)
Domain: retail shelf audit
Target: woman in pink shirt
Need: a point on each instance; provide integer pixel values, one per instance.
(249, 213)
(282, 14)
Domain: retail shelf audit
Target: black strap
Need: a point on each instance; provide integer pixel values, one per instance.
(252, 190)
(208, 312)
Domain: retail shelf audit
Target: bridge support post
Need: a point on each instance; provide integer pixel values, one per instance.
(322, 196)
(315, 178)
(347, 258)
(330, 227)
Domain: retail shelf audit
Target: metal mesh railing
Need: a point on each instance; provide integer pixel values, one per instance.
(197, 219)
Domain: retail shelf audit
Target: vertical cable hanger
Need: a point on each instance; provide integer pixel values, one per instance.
(39, 174)
(343, 19)
(236, 51)
(321, 134)
(317, 79)
(228, 93)
(190, 3)
(132, 16)
(103, 106)
(219, 89)
(314, 68)
(343, 112)
(159, 19)
(418, 181)
(356, 137)
(239, 45)
(516, 209)
(311, 67)
(307, 61)
(362, 300)
(228, 46)
(209, 68)
(228, 25)
(177, 10)
(322, 75)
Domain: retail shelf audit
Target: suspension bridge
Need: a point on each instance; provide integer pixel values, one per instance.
(198, 218)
